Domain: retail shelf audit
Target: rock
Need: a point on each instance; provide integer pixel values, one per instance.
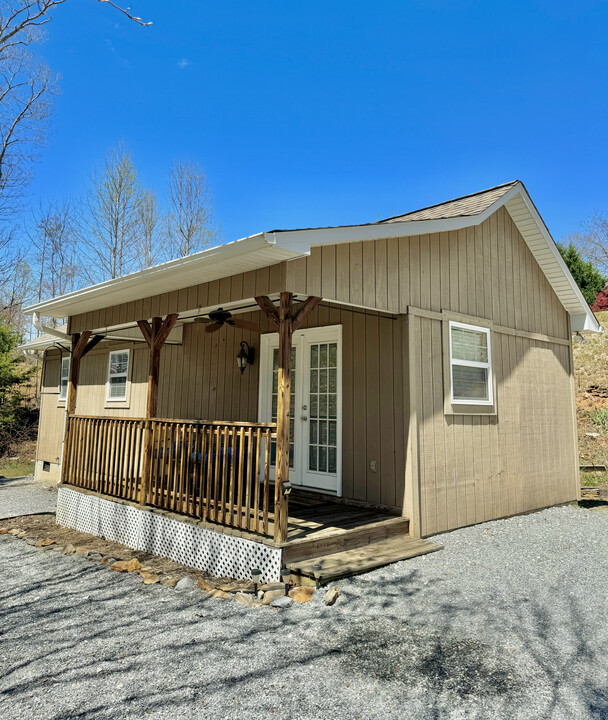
(32, 541)
(69, 549)
(238, 586)
(169, 580)
(4, 531)
(204, 585)
(273, 586)
(81, 552)
(14, 531)
(247, 599)
(219, 594)
(302, 594)
(94, 557)
(282, 602)
(149, 578)
(271, 595)
(132, 565)
(45, 543)
(592, 435)
(186, 584)
(331, 596)
(107, 560)
(21, 534)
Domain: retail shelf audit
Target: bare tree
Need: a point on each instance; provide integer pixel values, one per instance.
(147, 239)
(190, 225)
(593, 241)
(53, 239)
(109, 219)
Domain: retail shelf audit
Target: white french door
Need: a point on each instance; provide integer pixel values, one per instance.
(315, 451)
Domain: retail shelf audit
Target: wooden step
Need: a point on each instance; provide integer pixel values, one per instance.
(363, 559)
(337, 540)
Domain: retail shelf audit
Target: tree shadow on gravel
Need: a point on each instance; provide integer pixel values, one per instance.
(78, 641)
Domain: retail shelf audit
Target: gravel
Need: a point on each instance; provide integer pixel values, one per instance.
(24, 496)
(508, 621)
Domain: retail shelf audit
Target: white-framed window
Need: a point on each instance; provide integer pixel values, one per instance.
(118, 371)
(64, 378)
(470, 365)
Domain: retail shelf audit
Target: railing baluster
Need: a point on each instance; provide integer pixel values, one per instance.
(266, 480)
(215, 471)
(256, 482)
(239, 497)
(225, 454)
(232, 464)
(249, 472)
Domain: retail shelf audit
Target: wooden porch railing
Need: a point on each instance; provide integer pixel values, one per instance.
(214, 471)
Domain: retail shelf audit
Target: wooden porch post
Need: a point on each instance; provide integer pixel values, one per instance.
(81, 344)
(281, 510)
(286, 320)
(155, 337)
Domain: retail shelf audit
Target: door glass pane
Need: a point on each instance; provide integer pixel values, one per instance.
(275, 390)
(323, 405)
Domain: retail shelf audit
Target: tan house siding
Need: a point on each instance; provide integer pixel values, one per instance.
(484, 271)
(465, 468)
(52, 412)
(476, 468)
(200, 380)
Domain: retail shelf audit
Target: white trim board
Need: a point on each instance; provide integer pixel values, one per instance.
(269, 248)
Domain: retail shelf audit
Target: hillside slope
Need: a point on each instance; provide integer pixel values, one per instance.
(591, 384)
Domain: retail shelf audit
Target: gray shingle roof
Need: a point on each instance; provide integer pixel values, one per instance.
(459, 207)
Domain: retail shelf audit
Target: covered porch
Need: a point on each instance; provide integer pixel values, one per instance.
(228, 477)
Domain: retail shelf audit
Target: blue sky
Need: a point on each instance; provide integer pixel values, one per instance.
(321, 113)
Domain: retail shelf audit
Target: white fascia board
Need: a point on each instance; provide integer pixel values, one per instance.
(590, 322)
(204, 266)
(303, 240)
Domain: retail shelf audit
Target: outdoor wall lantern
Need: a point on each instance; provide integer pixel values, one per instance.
(244, 356)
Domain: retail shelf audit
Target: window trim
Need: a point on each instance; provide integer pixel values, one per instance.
(63, 398)
(471, 363)
(125, 398)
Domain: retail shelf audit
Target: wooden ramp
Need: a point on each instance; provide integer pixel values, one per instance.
(361, 559)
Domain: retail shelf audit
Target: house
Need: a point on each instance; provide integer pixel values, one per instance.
(320, 397)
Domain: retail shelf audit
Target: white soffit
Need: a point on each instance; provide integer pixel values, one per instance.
(241, 256)
(264, 249)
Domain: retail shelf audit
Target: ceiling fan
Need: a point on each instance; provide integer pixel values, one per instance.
(220, 317)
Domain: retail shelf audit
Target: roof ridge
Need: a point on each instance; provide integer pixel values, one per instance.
(446, 202)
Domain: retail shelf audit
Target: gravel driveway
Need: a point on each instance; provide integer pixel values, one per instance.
(24, 496)
(509, 621)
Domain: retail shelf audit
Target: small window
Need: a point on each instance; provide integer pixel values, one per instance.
(65, 376)
(470, 365)
(118, 371)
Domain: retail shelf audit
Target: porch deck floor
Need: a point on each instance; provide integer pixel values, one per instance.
(313, 518)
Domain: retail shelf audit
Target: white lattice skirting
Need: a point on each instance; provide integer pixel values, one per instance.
(220, 554)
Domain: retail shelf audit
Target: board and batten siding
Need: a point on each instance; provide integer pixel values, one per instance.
(485, 271)
(52, 412)
(199, 379)
(474, 468)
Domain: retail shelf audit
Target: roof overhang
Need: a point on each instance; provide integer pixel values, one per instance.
(263, 249)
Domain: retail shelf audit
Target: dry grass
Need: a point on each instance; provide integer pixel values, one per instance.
(591, 369)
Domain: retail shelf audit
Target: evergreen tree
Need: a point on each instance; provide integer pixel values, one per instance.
(16, 419)
(587, 276)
